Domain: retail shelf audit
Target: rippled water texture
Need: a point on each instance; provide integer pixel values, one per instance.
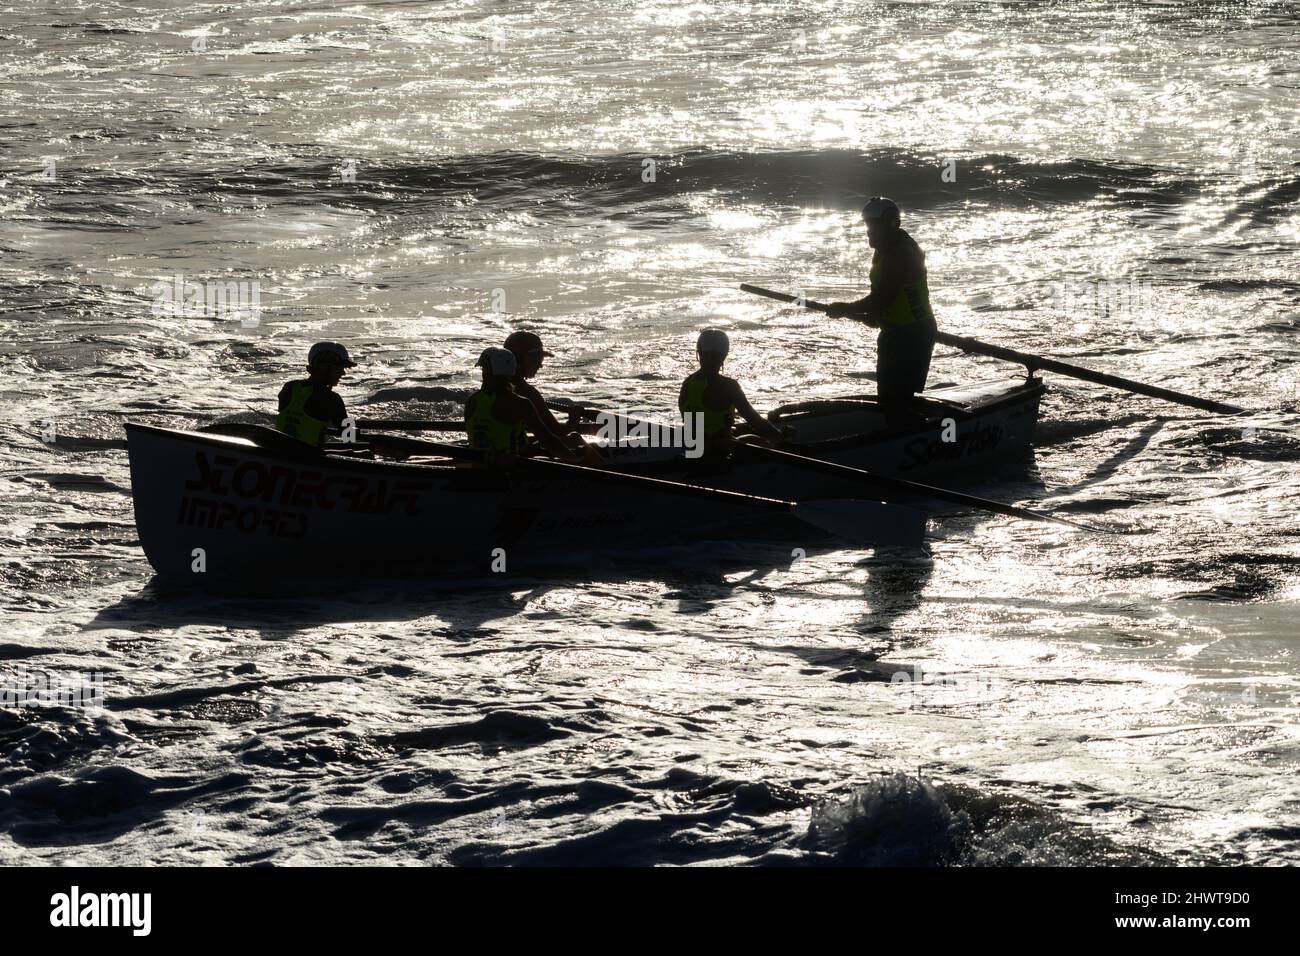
(1114, 184)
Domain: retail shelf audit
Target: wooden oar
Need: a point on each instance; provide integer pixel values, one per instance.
(903, 485)
(409, 425)
(845, 517)
(595, 412)
(1035, 362)
(420, 425)
(900, 484)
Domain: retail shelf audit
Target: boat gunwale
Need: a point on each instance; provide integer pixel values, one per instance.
(1031, 388)
(239, 444)
(451, 471)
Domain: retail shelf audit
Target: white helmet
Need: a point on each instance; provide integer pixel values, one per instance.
(713, 340)
(497, 361)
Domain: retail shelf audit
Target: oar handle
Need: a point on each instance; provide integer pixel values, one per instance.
(1035, 362)
(784, 297)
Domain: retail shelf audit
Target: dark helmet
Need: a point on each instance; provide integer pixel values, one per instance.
(327, 353)
(881, 210)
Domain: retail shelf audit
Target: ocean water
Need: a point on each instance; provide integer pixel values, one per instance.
(1111, 183)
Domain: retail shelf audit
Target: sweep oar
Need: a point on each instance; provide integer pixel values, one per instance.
(409, 425)
(899, 484)
(590, 412)
(1035, 362)
(422, 425)
(903, 485)
(846, 517)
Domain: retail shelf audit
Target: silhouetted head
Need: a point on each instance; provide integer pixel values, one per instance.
(528, 352)
(712, 348)
(882, 218)
(327, 361)
(498, 366)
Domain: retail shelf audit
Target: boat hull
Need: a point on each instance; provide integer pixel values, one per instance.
(222, 507)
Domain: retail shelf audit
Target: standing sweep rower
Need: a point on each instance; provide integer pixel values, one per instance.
(499, 421)
(899, 303)
(309, 406)
(716, 398)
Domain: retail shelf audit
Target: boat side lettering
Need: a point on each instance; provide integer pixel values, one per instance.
(923, 450)
(225, 476)
(220, 515)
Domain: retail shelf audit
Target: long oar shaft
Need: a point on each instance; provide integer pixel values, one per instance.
(1034, 362)
(1088, 375)
(902, 484)
(419, 425)
(596, 412)
(645, 483)
(409, 425)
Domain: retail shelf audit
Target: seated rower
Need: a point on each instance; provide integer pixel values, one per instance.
(528, 352)
(499, 421)
(710, 394)
(309, 406)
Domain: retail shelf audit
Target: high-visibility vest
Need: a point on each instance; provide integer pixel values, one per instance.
(295, 421)
(911, 303)
(486, 432)
(715, 420)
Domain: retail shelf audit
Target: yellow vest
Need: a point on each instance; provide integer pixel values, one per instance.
(486, 432)
(295, 421)
(911, 303)
(715, 420)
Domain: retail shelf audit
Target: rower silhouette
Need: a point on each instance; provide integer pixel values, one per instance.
(899, 305)
(310, 406)
(498, 421)
(529, 354)
(717, 399)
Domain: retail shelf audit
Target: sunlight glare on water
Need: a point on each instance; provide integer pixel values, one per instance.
(1122, 195)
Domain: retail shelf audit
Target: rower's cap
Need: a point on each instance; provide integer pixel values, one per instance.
(497, 361)
(325, 353)
(526, 343)
(713, 340)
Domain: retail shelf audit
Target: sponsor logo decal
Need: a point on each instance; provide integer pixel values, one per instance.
(922, 451)
(229, 493)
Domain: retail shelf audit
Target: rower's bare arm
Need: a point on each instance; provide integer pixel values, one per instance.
(755, 421)
(549, 418)
(550, 440)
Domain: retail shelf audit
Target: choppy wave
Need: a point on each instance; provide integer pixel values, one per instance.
(614, 185)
